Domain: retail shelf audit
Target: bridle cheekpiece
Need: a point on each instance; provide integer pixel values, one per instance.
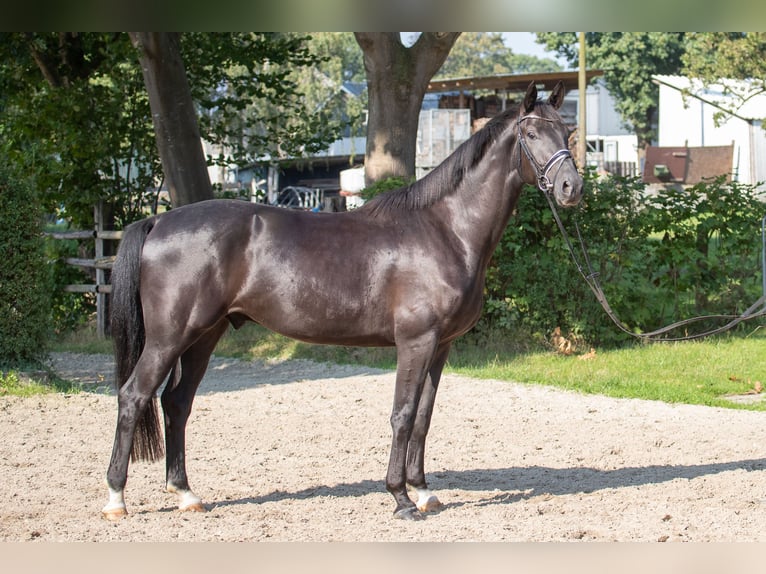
(543, 181)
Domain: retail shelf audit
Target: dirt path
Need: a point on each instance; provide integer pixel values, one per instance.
(298, 451)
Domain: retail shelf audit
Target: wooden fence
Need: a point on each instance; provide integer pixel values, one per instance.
(101, 263)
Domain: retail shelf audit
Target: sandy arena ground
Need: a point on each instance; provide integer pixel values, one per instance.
(297, 451)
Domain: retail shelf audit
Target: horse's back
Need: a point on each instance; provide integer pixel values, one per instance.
(342, 278)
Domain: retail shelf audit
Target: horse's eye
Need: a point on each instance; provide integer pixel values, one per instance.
(531, 135)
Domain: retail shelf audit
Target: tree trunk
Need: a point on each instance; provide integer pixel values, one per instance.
(175, 120)
(397, 79)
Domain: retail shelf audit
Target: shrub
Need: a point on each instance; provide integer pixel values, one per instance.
(660, 258)
(24, 288)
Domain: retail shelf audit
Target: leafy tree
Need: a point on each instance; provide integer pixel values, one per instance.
(324, 86)
(74, 116)
(175, 120)
(629, 59)
(252, 102)
(342, 59)
(485, 54)
(397, 78)
(75, 110)
(713, 56)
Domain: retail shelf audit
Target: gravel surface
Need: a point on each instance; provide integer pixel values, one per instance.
(297, 451)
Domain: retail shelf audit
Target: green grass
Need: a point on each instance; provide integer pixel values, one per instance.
(84, 340)
(696, 372)
(27, 383)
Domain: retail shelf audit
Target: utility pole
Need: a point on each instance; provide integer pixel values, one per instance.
(581, 87)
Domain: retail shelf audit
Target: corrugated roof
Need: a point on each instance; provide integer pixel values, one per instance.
(511, 82)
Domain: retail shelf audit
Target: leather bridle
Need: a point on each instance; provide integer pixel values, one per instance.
(541, 170)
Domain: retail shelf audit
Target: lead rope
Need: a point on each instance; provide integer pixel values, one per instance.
(591, 278)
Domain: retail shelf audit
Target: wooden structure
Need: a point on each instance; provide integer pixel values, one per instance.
(511, 82)
(505, 84)
(687, 165)
(101, 263)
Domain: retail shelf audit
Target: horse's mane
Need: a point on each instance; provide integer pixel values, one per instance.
(447, 176)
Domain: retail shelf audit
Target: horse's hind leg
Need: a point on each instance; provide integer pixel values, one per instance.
(132, 400)
(177, 401)
(416, 478)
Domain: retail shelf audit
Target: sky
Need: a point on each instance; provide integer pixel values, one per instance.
(524, 43)
(519, 42)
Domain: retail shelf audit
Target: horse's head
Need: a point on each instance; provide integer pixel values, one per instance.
(543, 142)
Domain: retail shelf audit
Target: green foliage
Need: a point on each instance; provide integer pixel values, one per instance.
(716, 55)
(341, 61)
(23, 274)
(660, 257)
(74, 112)
(250, 98)
(25, 384)
(628, 59)
(384, 185)
(485, 54)
(68, 311)
(712, 56)
(708, 255)
(13, 384)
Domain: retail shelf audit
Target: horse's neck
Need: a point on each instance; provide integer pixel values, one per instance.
(483, 205)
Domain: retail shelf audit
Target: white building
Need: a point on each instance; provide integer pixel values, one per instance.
(694, 115)
(610, 143)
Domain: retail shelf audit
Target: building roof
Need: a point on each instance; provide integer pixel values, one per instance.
(740, 98)
(355, 89)
(511, 82)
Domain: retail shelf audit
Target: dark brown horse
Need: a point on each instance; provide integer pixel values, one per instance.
(405, 270)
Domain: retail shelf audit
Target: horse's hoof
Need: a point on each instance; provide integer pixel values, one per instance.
(187, 500)
(430, 504)
(408, 513)
(114, 514)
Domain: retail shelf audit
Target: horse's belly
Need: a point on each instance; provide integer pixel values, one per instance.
(330, 333)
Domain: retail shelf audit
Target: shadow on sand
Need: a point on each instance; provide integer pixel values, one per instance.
(509, 485)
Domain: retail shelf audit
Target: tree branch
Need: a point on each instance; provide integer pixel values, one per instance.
(48, 70)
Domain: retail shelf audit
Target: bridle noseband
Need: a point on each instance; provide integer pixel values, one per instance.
(543, 182)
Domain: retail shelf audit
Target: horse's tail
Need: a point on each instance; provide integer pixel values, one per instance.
(128, 334)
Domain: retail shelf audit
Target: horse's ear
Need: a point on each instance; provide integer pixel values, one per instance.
(557, 95)
(530, 98)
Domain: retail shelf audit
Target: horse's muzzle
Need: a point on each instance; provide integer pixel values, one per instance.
(568, 186)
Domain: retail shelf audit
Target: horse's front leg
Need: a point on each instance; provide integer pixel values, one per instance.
(416, 478)
(413, 359)
(177, 399)
(176, 405)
